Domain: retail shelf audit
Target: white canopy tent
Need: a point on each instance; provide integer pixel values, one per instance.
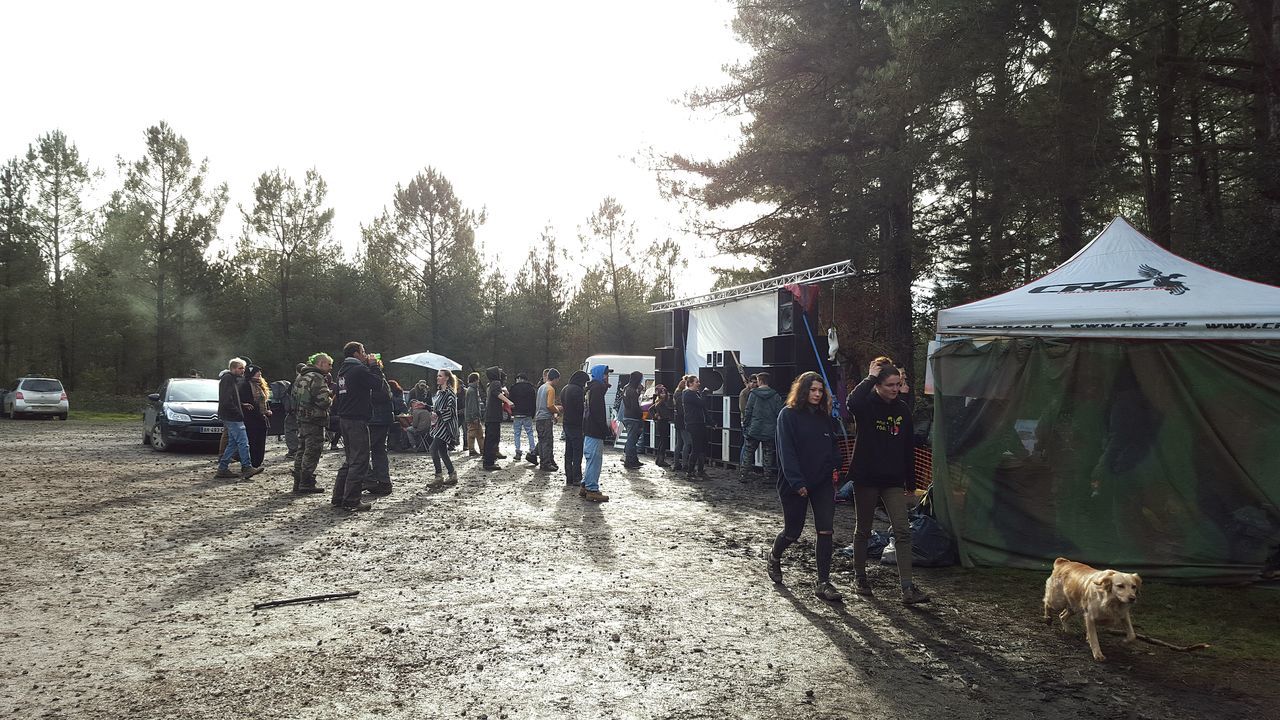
(1124, 285)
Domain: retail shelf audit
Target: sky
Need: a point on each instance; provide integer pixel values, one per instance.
(534, 111)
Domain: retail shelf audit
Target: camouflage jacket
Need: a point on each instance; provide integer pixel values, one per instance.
(311, 396)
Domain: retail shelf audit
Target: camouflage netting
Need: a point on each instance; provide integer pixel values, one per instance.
(1157, 457)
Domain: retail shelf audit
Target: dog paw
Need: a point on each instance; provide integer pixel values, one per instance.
(1099, 657)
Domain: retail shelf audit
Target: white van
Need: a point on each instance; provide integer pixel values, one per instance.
(621, 365)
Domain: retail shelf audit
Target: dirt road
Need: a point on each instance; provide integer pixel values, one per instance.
(129, 577)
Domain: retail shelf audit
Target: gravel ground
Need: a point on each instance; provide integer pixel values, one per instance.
(129, 578)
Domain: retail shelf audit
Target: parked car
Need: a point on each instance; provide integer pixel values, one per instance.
(183, 412)
(36, 396)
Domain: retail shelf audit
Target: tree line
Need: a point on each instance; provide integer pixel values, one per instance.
(964, 147)
(117, 296)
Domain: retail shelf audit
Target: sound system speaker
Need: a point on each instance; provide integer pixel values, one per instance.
(781, 377)
(710, 378)
(786, 313)
(666, 358)
(732, 376)
(778, 349)
(670, 378)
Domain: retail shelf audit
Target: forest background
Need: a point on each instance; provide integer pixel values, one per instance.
(952, 149)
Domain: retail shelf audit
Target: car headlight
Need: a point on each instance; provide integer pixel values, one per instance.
(175, 416)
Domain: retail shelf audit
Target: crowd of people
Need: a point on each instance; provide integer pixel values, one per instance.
(356, 403)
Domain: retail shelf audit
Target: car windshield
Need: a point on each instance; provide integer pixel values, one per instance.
(42, 385)
(193, 391)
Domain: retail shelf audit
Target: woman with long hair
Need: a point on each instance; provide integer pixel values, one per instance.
(677, 423)
(255, 420)
(808, 457)
(445, 431)
(883, 470)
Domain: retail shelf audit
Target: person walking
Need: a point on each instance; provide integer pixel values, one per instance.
(291, 441)
(354, 408)
(497, 398)
(473, 414)
(382, 417)
(759, 426)
(312, 401)
(232, 405)
(806, 440)
(661, 413)
(595, 428)
(883, 471)
(544, 419)
(695, 426)
(523, 402)
(445, 431)
(633, 419)
(255, 417)
(572, 405)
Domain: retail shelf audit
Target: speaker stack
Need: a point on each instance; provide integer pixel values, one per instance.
(667, 365)
(789, 353)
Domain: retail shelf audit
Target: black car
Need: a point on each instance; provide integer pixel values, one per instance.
(183, 412)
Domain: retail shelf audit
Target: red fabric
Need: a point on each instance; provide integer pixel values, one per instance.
(806, 295)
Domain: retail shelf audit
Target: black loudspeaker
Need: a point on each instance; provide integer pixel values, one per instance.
(670, 378)
(732, 377)
(666, 358)
(779, 349)
(781, 377)
(786, 313)
(711, 378)
(669, 329)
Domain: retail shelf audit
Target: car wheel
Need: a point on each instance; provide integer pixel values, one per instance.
(157, 439)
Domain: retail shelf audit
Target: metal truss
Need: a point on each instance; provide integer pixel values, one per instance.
(834, 271)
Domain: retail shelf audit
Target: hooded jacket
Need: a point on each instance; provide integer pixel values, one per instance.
(884, 455)
(572, 399)
(631, 397)
(493, 406)
(760, 421)
(807, 452)
(596, 425)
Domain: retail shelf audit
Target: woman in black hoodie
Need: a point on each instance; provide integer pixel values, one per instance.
(808, 456)
(883, 470)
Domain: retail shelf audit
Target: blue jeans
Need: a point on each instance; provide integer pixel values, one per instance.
(593, 451)
(237, 441)
(521, 422)
(633, 438)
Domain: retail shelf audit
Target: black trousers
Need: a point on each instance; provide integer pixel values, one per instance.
(697, 447)
(354, 472)
(379, 463)
(492, 434)
(573, 456)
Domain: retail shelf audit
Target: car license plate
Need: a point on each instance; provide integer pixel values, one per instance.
(217, 429)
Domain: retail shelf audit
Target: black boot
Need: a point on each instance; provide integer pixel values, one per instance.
(306, 486)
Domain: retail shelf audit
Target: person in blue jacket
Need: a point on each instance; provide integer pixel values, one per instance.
(808, 456)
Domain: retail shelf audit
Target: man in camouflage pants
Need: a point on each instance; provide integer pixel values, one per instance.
(312, 400)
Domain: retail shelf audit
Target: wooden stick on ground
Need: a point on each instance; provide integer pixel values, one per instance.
(310, 598)
(1161, 643)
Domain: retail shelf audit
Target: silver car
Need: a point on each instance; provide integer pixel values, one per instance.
(36, 396)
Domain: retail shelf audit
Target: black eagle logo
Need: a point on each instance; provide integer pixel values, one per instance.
(1160, 280)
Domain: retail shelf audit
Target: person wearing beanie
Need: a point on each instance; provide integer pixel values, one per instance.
(571, 411)
(633, 419)
(595, 428)
(545, 419)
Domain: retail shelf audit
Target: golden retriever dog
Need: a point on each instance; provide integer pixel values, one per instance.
(1101, 596)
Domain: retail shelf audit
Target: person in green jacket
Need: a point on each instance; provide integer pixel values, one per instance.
(759, 424)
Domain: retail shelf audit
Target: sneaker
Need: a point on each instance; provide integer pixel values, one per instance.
(862, 585)
(773, 566)
(500, 456)
(380, 489)
(246, 473)
(531, 459)
(826, 591)
(304, 489)
(913, 596)
(452, 479)
(225, 473)
(356, 506)
(490, 467)
(595, 496)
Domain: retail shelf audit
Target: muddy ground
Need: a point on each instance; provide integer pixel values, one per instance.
(129, 578)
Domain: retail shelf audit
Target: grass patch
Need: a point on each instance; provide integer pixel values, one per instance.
(104, 416)
(1239, 622)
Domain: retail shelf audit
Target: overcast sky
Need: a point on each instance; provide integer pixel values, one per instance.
(535, 111)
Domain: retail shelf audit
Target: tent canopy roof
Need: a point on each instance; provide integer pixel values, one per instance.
(1124, 285)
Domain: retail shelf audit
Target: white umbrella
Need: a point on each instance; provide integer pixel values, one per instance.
(429, 360)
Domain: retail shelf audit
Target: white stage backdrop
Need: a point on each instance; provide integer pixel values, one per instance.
(739, 325)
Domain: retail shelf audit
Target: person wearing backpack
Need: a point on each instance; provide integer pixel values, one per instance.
(311, 402)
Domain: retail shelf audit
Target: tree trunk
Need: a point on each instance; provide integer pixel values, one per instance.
(1160, 197)
(1263, 18)
(897, 238)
